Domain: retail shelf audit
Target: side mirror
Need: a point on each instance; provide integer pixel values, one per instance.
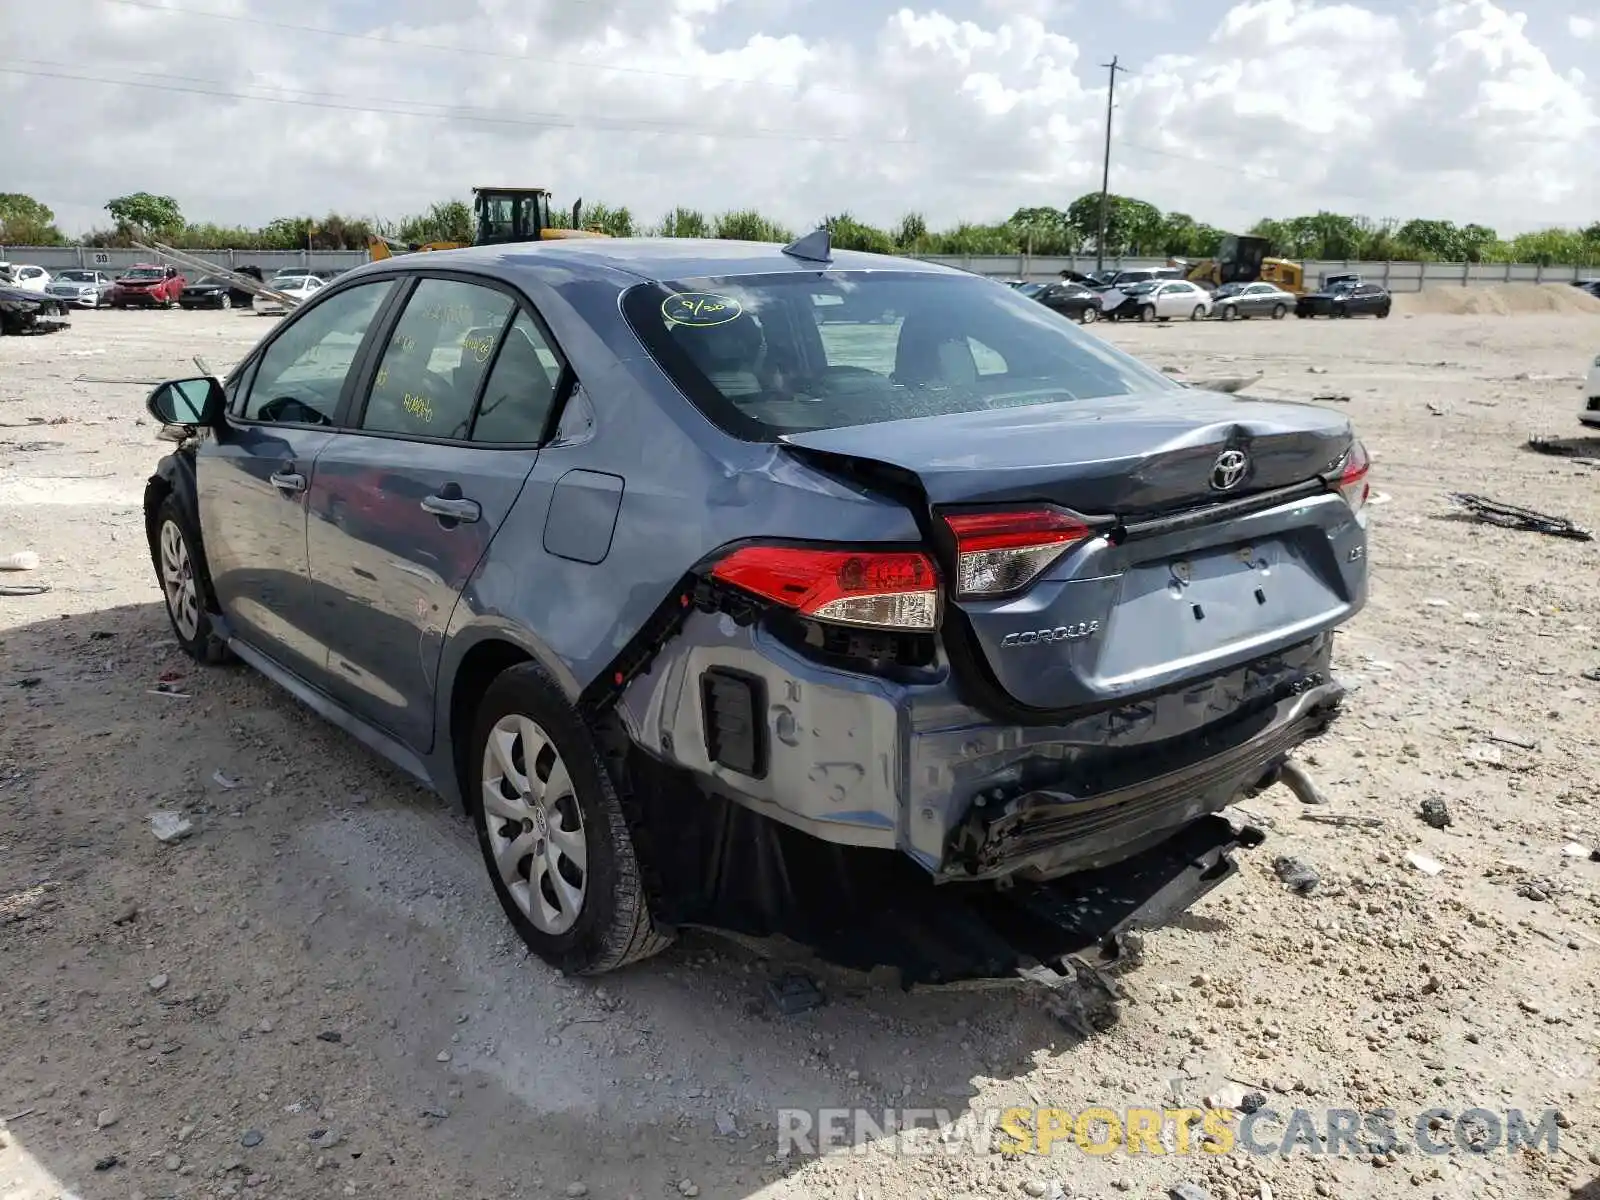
(192, 402)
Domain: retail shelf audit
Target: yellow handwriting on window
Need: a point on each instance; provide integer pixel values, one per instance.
(449, 314)
(383, 376)
(418, 406)
(479, 347)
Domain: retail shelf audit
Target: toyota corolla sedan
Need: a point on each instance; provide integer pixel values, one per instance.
(714, 607)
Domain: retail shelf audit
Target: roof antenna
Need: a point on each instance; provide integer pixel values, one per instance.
(816, 246)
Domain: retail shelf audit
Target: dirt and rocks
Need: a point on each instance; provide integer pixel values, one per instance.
(311, 991)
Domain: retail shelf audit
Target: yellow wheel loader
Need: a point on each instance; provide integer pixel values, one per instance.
(503, 215)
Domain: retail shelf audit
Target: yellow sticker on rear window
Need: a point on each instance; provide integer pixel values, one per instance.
(700, 309)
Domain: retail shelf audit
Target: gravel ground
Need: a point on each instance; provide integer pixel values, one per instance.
(315, 993)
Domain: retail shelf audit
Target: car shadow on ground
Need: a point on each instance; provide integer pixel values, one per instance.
(320, 961)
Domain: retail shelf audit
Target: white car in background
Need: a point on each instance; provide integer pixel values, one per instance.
(84, 288)
(25, 276)
(1590, 414)
(299, 284)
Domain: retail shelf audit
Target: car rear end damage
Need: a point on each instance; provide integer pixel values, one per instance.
(1127, 676)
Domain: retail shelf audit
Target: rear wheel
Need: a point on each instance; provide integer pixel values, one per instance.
(1199, 311)
(1383, 312)
(1089, 315)
(1229, 312)
(552, 830)
(1279, 311)
(227, 302)
(1147, 313)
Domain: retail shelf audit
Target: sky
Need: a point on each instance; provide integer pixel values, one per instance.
(243, 110)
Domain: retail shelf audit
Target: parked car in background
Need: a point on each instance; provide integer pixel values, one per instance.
(25, 277)
(1590, 415)
(22, 310)
(1348, 298)
(84, 288)
(1071, 300)
(1592, 286)
(1122, 280)
(991, 604)
(212, 291)
(302, 285)
(147, 285)
(1157, 300)
(1245, 300)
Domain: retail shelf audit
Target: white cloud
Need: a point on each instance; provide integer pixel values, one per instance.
(1444, 108)
(1583, 28)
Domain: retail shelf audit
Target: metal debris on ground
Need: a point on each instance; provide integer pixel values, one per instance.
(1509, 516)
(1330, 398)
(794, 994)
(1349, 820)
(1435, 812)
(21, 560)
(23, 589)
(1299, 877)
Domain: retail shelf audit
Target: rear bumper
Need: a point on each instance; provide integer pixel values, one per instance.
(905, 764)
(1048, 832)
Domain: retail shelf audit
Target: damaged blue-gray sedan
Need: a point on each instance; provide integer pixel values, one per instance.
(826, 594)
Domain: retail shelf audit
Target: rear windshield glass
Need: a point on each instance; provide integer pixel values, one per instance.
(766, 355)
(143, 273)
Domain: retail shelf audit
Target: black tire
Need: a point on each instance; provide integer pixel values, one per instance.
(1089, 315)
(1383, 312)
(1229, 312)
(1147, 313)
(1199, 312)
(1279, 311)
(1340, 313)
(199, 638)
(613, 927)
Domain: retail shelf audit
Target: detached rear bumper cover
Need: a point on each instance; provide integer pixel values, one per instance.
(1050, 831)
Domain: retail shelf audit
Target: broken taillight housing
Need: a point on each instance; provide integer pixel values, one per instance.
(1353, 485)
(999, 552)
(894, 589)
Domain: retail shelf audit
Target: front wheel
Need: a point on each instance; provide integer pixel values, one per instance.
(1383, 312)
(1229, 312)
(180, 571)
(552, 830)
(1147, 313)
(1089, 315)
(227, 303)
(1279, 311)
(1199, 311)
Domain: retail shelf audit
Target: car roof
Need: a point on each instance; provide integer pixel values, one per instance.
(624, 261)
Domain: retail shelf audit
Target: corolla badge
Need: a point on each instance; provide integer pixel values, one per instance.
(1228, 471)
(1043, 637)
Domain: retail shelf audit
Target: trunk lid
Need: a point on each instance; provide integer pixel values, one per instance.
(1182, 578)
(1124, 456)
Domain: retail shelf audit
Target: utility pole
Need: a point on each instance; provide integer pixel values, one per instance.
(1105, 176)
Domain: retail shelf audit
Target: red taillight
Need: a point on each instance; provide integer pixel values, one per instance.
(999, 552)
(897, 589)
(1353, 485)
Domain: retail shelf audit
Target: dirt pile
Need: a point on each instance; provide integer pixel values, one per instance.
(1497, 300)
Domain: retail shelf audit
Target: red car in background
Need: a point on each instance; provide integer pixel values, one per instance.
(146, 284)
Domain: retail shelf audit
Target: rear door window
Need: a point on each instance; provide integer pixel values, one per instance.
(521, 391)
(437, 355)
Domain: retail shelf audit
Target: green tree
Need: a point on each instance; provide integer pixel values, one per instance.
(24, 221)
(684, 223)
(618, 222)
(911, 234)
(445, 221)
(848, 233)
(144, 211)
(747, 225)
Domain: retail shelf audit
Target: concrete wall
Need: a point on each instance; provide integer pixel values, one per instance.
(60, 258)
(1396, 276)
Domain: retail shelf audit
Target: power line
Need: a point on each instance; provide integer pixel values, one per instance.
(386, 40)
(516, 120)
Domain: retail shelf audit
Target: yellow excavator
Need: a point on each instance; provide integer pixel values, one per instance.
(1244, 260)
(502, 215)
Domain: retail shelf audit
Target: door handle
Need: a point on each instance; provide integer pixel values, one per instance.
(287, 481)
(452, 508)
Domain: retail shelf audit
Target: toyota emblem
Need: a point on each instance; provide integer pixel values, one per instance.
(1229, 470)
